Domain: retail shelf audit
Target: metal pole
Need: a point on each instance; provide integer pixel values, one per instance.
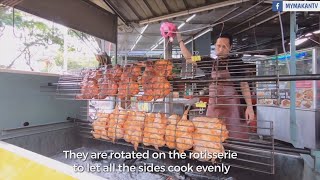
(65, 50)
(293, 68)
(116, 50)
(167, 47)
(192, 65)
(126, 58)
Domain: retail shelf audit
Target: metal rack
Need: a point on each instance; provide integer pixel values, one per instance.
(189, 84)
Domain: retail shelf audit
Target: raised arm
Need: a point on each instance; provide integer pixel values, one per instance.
(185, 52)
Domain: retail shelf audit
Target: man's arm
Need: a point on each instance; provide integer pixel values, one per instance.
(246, 92)
(185, 52)
(247, 96)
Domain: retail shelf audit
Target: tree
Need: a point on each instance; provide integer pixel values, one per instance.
(35, 34)
(32, 33)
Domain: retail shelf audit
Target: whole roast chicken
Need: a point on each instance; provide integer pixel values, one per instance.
(90, 89)
(116, 122)
(155, 129)
(209, 135)
(148, 129)
(116, 73)
(107, 88)
(88, 81)
(133, 128)
(128, 86)
(135, 72)
(171, 131)
(99, 125)
(163, 68)
(185, 129)
(146, 82)
(95, 74)
(128, 89)
(161, 87)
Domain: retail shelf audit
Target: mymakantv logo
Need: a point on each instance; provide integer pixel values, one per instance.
(296, 6)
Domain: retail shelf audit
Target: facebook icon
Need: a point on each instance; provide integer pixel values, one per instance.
(277, 5)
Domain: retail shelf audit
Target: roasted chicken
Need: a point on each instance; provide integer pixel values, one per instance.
(161, 87)
(163, 68)
(128, 86)
(154, 130)
(99, 125)
(133, 128)
(171, 131)
(147, 83)
(209, 135)
(116, 73)
(128, 89)
(89, 89)
(115, 125)
(185, 129)
(107, 88)
(89, 86)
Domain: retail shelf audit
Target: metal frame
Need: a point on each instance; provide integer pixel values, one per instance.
(201, 31)
(251, 18)
(259, 23)
(108, 3)
(192, 11)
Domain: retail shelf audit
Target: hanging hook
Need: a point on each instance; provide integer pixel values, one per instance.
(2, 30)
(222, 28)
(201, 111)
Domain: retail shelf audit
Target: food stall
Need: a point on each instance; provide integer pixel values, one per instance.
(146, 105)
(274, 97)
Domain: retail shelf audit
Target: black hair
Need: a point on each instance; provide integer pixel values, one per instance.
(228, 36)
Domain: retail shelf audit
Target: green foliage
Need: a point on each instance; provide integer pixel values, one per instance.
(81, 63)
(77, 34)
(71, 49)
(38, 33)
(58, 59)
(6, 17)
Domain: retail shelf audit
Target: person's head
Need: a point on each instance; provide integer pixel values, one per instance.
(223, 45)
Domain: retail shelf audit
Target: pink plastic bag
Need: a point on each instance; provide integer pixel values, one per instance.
(168, 30)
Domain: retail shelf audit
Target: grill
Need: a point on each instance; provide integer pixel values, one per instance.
(160, 105)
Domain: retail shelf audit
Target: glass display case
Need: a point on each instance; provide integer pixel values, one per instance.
(274, 98)
(269, 94)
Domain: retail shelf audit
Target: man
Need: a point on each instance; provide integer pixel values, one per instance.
(224, 101)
